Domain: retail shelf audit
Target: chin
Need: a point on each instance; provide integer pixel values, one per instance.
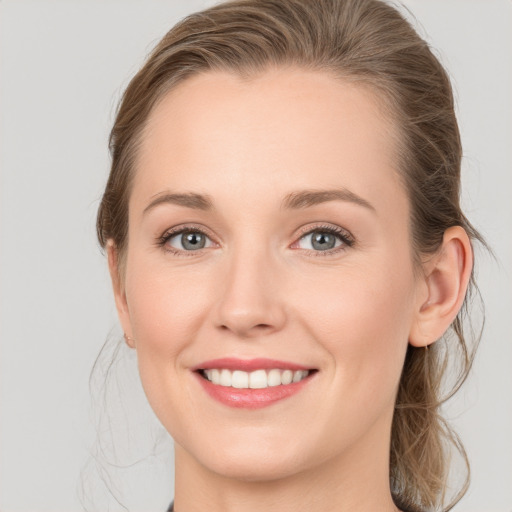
(248, 469)
(252, 460)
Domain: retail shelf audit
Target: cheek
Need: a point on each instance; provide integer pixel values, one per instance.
(363, 317)
(166, 309)
(165, 306)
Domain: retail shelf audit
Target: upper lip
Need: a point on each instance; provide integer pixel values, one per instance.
(232, 363)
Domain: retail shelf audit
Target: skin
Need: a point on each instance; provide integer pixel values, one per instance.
(260, 289)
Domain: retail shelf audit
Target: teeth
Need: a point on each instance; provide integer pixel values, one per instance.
(239, 379)
(274, 378)
(225, 378)
(257, 379)
(287, 377)
(297, 376)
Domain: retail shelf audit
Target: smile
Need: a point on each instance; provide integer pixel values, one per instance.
(252, 384)
(259, 379)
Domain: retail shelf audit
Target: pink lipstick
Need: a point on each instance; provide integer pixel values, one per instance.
(253, 383)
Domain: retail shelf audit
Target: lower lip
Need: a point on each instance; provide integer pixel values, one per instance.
(251, 398)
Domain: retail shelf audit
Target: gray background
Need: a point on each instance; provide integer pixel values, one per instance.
(63, 66)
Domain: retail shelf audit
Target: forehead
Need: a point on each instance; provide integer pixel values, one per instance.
(261, 137)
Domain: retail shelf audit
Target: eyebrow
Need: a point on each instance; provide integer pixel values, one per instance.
(307, 198)
(293, 201)
(186, 199)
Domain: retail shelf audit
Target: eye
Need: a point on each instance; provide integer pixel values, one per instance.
(322, 240)
(327, 239)
(185, 240)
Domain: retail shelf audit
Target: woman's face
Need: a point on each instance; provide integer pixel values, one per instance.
(296, 256)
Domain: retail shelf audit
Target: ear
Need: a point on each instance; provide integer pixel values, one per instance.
(119, 293)
(446, 278)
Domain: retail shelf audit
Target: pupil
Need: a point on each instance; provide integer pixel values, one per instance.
(192, 241)
(323, 241)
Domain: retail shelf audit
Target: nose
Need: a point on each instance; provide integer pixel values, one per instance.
(250, 303)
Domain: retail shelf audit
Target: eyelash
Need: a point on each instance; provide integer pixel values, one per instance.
(344, 236)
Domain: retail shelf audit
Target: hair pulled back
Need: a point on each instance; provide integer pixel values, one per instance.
(359, 40)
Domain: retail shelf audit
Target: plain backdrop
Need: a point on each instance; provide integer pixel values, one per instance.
(64, 65)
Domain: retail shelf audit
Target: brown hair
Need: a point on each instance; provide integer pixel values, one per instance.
(370, 42)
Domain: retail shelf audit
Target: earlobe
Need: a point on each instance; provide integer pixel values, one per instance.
(447, 276)
(119, 293)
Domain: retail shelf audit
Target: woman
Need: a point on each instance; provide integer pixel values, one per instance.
(288, 255)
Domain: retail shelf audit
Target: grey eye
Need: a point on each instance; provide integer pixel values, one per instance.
(321, 240)
(188, 241)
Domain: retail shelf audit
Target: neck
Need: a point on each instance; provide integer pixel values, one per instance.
(357, 481)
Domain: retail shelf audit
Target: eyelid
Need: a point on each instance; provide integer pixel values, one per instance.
(343, 233)
(183, 228)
